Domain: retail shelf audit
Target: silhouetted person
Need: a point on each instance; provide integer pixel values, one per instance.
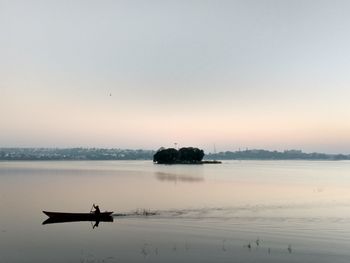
(97, 209)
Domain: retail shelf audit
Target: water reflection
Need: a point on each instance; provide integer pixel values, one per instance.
(52, 220)
(243, 211)
(161, 176)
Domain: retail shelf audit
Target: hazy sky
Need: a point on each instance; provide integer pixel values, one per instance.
(145, 74)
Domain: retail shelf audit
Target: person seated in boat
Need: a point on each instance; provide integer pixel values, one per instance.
(97, 209)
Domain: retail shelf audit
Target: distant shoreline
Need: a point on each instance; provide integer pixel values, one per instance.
(102, 154)
(149, 160)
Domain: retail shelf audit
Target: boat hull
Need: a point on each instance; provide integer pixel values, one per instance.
(59, 217)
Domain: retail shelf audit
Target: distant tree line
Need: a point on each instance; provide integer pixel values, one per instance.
(74, 154)
(172, 155)
(185, 155)
(275, 155)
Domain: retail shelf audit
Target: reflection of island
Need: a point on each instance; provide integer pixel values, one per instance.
(185, 155)
(178, 177)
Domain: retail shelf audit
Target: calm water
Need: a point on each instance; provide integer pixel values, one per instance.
(249, 211)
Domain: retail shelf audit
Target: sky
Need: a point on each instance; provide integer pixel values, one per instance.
(145, 74)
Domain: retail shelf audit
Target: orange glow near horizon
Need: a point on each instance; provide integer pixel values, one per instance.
(145, 80)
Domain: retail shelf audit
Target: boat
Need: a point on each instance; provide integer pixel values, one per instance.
(60, 217)
(89, 216)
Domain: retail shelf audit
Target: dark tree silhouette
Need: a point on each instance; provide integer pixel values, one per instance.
(190, 154)
(166, 156)
(184, 155)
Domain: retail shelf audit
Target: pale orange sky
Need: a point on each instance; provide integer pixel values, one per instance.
(237, 74)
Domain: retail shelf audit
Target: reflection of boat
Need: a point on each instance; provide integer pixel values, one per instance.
(59, 217)
(53, 220)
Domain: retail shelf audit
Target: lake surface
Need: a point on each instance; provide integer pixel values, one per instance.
(239, 211)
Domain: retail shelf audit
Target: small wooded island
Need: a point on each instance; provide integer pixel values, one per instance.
(185, 155)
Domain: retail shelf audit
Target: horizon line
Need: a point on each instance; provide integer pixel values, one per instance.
(143, 149)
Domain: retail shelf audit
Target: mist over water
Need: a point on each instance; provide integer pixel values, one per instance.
(240, 211)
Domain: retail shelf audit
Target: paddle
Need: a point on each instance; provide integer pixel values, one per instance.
(91, 208)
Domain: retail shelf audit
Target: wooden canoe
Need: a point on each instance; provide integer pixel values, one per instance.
(79, 216)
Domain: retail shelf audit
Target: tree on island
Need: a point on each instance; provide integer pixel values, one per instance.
(190, 154)
(185, 155)
(167, 156)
